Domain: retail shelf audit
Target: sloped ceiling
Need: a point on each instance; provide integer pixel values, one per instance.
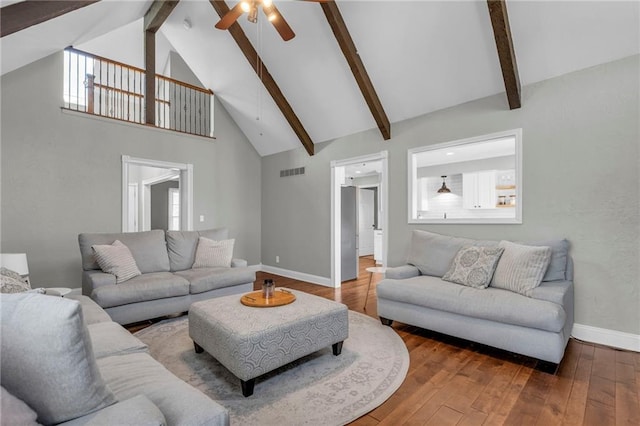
(421, 56)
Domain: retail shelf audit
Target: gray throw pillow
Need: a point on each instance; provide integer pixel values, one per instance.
(47, 358)
(521, 267)
(12, 282)
(473, 266)
(116, 259)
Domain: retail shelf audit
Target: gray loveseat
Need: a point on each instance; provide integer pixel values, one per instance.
(65, 362)
(168, 284)
(538, 326)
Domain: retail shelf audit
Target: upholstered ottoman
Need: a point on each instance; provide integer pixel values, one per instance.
(252, 341)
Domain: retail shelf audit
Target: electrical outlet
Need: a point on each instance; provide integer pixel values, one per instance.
(277, 259)
(201, 218)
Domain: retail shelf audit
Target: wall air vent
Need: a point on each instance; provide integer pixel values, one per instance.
(292, 172)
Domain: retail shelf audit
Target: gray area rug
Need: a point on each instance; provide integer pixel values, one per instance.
(319, 389)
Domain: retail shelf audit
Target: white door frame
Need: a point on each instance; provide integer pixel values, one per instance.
(186, 188)
(337, 177)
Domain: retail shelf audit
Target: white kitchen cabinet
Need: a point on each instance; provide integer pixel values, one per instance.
(479, 190)
(377, 246)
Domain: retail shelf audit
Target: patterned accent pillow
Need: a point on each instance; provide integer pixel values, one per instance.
(473, 266)
(521, 267)
(116, 259)
(213, 254)
(12, 282)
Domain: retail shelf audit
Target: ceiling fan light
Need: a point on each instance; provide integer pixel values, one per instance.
(246, 7)
(272, 17)
(267, 3)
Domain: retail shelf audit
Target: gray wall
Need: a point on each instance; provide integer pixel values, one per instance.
(160, 204)
(61, 174)
(580, 181)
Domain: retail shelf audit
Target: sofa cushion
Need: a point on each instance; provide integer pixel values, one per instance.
(136, 411)
(91, 311)
(158, 285)
(116, 259)
(521, 267)
(110, 338)
(474, 266)
(433, 253)
(148, 248)
(213, 254)
(182, 246)
(557, 269)
(205, 279)
(180, 403)
(13, 411)
(491, 304)
(47, 358)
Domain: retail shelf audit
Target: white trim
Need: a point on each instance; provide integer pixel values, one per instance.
(186, 188)
(603, 336)
(301, 276)
(382, 156)
(412, 203)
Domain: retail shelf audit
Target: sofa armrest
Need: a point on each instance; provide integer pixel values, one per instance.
(94, 279)
(402, 272)
(138, 410)
(238, 263)
(558, 292)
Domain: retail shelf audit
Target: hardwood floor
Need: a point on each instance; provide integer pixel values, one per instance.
(456, 382)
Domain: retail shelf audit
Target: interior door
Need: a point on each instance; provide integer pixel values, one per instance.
(349, 238)
(366, 221)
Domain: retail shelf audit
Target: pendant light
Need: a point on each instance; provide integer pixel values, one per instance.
(443, 189)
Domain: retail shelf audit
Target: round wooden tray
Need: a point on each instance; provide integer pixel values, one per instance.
(256, 300)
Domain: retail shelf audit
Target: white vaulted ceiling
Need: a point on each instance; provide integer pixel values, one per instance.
(421, 56)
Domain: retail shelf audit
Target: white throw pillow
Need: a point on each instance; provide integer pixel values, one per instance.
(116, 259)
(521, 267)
(213, 254)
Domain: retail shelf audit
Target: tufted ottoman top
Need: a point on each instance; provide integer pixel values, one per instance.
(252, 341)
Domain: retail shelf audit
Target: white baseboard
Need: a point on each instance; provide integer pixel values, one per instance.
(603, 336)
(315, 279)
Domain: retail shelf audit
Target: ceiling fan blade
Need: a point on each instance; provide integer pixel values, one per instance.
(278, 21)
(230, 17)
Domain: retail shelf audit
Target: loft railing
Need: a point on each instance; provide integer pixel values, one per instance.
(108, 88)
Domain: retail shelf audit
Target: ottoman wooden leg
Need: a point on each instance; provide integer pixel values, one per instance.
(337, 348)
(247, 387)
(198, 348)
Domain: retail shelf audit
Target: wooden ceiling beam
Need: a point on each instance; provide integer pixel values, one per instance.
(267, 79)
(348, 47)
(157, 14)
(18, 16)
(506, 53)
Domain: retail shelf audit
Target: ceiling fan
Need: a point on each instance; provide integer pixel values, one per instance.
(251, 8)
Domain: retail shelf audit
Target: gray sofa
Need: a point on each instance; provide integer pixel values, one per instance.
(538, 326)
(168, 284)
(65, 362)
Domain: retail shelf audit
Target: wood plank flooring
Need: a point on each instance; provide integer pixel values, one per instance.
(456, 382)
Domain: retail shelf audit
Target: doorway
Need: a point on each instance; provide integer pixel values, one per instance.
(141, 178)
(368, 176)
